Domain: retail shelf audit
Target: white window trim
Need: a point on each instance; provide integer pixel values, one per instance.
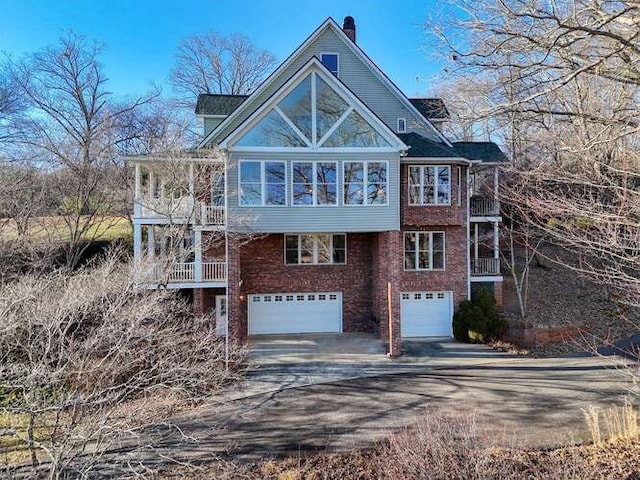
(337, 61)
(263, 184)
(421, 203)
(430, 233)
(315, 248)
(404, 125)
(366, 184)
(315, 184)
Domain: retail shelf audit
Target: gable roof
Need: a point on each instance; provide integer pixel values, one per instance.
(217, 104)
(329, 23)
(430, 108)
(315, 65)
(486, 152)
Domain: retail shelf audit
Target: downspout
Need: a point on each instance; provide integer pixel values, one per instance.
(226, 259)
(468, 232)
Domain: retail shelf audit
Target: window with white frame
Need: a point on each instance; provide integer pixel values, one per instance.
(315, 249)
(314, 183)
(330, 60)
(429, 185)
(262, 183)
(402, 125)
(424, 251)
(365, 183)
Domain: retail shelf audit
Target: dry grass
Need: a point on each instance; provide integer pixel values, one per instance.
(105, 228)
(442, 446)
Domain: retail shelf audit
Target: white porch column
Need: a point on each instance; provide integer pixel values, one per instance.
(152, 184)
(151, 243)
(475, 241)
(197, 241)
(495, 183)
(192, 195)
(496, 240)
(137, 241)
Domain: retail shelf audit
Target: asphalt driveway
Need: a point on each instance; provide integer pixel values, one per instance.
(310, 393)
(335, 393)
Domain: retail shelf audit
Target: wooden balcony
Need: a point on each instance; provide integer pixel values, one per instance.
(184, 273)
(484, 207)
(485, 266)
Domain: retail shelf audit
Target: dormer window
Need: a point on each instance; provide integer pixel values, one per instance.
(330, 60)
(402, 125)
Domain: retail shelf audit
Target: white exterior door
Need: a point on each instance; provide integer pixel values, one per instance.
(426, 314)
(295, 313)
(221, 315)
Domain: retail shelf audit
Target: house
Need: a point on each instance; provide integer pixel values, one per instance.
(325, 201)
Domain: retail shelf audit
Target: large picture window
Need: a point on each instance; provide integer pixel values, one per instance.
(262, 183)
(424, 251)
(314, 183)
(429, 185)
(315, 249)
(365, 183)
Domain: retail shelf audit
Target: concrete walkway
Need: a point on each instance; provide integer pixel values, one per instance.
(323, 392)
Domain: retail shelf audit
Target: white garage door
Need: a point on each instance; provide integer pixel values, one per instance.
(426, 314)
(295, 313)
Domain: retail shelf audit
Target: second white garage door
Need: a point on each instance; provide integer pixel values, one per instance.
(295, 313)
(426, 314)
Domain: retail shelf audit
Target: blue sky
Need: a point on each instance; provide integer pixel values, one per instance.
(141, 36)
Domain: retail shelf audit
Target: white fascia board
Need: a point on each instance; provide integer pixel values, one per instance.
(164, 159)
(316, 66)
(307, 150)
(270, 79)
(207, 115)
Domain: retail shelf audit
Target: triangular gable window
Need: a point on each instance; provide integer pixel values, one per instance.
(313, 103)
(271, 131)
(355, 131)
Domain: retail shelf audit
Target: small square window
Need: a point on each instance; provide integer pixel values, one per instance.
(300, 298)
(267, 299)
(289, 298)
(256, 299)
(402, 125)
(311, 297)
(417, 296)
(322, 297)
(278, 298)
(428, 296)
(405, 296)
(333, 297)
(330, 60)
(441, 295)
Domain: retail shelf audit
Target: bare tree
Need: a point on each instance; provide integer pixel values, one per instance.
(72, 129)
(565, 75)
(213, 63)
(83, 355)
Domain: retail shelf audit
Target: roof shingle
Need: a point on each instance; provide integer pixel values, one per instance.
(217, 104)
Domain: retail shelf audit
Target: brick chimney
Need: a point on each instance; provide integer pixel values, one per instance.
(349, 27)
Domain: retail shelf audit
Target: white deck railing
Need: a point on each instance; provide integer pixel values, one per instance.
(187, 272)
(485, 266)
(484, 207)
(179, 209)
(211, 215)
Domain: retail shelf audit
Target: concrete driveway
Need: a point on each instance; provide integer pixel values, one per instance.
(324, 392)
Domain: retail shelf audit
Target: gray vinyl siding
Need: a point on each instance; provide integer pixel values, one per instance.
(210, 124)
(312, 219)
(355, 74)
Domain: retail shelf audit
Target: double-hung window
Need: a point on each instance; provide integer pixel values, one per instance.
(429, 185)
(424, 251)
(365, 183)
(314, 183)
(315, 249)
(262, 183)
(330, 60)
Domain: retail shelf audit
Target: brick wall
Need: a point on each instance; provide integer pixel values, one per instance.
(263, 271)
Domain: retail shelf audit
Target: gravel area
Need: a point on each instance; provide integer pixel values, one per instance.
(559, 297)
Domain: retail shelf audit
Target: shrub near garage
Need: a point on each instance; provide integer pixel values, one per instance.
(478, 320)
